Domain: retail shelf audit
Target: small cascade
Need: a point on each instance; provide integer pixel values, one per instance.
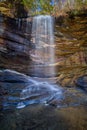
(39, 92)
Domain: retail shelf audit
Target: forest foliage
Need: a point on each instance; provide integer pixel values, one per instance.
(15, 8)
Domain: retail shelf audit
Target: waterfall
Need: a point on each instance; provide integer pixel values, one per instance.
(43, 39)
(39, 89)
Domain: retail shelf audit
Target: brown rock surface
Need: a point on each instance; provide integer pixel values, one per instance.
(71, 48)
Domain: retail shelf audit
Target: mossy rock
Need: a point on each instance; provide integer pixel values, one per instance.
(6, 11)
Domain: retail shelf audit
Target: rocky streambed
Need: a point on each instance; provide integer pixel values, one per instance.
(30, 103)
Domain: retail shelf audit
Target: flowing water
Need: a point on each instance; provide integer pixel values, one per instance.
(43, 40)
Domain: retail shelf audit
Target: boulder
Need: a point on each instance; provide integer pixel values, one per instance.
(82, 82)
(12, 76)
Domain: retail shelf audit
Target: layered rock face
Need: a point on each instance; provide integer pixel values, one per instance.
(14, 43)
(17, 49)
(71, 49)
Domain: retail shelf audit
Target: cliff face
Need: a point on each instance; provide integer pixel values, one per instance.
(14, 43)
(70, 47)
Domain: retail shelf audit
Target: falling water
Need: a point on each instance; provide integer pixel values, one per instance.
(43, 39)
(43, 58)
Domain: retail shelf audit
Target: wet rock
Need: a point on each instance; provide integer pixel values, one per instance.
(13, 38)
(17, 49)
(12, 42)
(12, 76)
(82, 82)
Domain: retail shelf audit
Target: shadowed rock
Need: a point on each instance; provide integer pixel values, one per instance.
(12, 76)
(82, 82)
